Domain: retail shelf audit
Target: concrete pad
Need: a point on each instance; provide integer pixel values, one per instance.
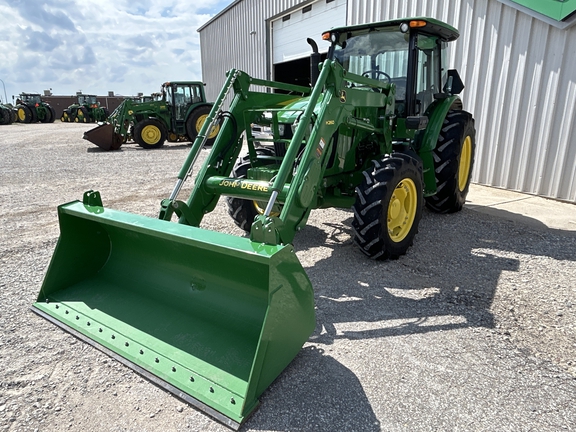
(523, 208)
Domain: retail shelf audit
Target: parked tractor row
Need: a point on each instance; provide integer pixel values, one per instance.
(30, 108)
(86, 110)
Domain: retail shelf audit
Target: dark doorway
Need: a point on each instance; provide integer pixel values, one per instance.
(295, 71)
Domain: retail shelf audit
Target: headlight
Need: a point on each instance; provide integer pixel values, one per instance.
(281, 129)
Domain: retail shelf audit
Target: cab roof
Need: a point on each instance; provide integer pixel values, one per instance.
(432, 27)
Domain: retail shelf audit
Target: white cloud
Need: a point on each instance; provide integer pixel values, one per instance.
(100, 45)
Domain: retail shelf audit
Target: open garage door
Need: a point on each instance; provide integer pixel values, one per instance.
(290, 51)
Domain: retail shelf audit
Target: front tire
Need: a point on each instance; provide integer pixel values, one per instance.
(388, 207)
(150, 134)
(453, 163)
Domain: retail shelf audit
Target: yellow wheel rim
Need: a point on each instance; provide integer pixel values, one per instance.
(200, 123)
(402, 210)
(260, 210)
(150, 134)
(21, 114)
(465, 161)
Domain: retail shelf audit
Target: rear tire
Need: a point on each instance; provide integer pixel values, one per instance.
(244, 211)
(47, 115)
(5, 116)
(195, 122)
(453, 163)
(25, 114)
(150, 134)
(53, 113)
(388, 207)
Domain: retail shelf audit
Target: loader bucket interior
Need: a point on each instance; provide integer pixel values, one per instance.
(104, 137)
(214, 318)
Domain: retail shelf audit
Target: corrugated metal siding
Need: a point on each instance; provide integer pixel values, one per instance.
(520, 74)
(227, 41)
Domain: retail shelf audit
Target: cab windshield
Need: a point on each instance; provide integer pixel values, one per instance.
(83, 99)
(378, 54)
(31, 98)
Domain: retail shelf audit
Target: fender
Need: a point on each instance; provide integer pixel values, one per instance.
(437, 112)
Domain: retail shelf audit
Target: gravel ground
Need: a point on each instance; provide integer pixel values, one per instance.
(474, 329)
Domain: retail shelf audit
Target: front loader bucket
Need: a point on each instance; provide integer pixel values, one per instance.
(212, 317)
(104, 137)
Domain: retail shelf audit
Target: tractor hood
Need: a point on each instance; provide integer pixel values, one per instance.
(291, 112)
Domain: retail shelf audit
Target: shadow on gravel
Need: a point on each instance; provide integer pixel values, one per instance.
(318, 394)
(447, 280)
(136, 147)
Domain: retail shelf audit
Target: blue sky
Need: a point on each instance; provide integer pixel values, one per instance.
(96, 46)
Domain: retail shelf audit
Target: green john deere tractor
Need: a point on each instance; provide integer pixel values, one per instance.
(30, 108)
(86, 110)
(215, 318)
(177, 116)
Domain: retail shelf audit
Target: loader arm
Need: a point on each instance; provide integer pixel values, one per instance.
(322, 118)
(298, 182)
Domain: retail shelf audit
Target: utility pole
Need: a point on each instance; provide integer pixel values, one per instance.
(5, 97)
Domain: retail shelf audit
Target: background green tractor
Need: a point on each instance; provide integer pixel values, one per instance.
(215, 317)
(177, 115)
(86, 110)
(30, 108)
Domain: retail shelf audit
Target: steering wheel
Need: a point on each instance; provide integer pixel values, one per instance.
(369, 73)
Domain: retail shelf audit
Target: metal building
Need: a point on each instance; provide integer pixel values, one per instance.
(516, 58)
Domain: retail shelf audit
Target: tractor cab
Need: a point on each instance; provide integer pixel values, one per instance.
(408, 53)
(181, 97)
(88, 101)
(30, 99)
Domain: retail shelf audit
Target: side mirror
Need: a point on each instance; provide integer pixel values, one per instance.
(454, 84)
